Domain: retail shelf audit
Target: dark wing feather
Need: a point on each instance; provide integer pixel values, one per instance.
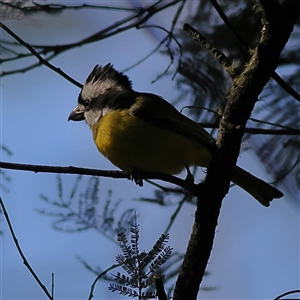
(156, 110)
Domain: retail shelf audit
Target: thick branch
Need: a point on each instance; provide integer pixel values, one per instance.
(278, 25)
(159, 285)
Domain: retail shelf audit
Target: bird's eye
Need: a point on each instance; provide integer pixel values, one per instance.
(86, 103)
(83, 102)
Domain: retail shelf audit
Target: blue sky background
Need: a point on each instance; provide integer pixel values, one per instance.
(256, 250)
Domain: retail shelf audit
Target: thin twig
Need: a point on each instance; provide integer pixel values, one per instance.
(25, 262)
(284, 85)
(170, 37)
(93, 172)
(286, 130)
(287, 293)
(99, 276)
(176, 212)
(271, 123)
(287, 172)
(52, 286)
(40, 58)
(262, 131)
(229, 24)
(140, 17)
(215, 52)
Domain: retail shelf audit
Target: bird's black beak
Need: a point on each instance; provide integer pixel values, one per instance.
(76, 114)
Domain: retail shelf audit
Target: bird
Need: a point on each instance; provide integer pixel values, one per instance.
(142, 131)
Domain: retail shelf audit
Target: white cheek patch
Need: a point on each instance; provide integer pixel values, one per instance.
(91, 91)
(93, 116)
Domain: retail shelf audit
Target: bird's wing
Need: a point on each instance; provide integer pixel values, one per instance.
(156, 110)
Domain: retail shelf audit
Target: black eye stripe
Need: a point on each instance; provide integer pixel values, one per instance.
(85, 103)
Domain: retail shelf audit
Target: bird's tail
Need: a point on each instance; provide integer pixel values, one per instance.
(259, 189)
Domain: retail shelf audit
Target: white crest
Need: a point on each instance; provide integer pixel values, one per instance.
(103, 78)
(93, 89)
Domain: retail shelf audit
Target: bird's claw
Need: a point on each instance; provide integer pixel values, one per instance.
(136, 176)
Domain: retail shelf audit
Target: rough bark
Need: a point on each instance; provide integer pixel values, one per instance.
(278, 21)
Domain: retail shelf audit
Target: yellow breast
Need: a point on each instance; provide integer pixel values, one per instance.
(130, 142)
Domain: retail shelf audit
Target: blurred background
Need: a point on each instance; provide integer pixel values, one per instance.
(62, 220)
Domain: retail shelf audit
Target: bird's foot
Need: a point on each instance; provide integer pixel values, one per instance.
(136, 176)
(189, 183)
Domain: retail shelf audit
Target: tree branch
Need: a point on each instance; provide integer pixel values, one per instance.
(25, 261)
(284, 85)
(278, 23)
(159, 285)
(39, 57)
(52, 7)
(251, 130)
(217, 54)
(92, 172)
(135, 20)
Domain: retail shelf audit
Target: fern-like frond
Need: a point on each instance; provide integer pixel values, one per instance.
(80, 209)
(75, 187)
(123, 290)
(92, 191)
(59, 187)
(156, 249)
(148, 295)
(135, 262)
(165, 254)
(124, 245)
(120, 259)
(125, 221)
(129, 265)
(145, 283)
(123, 279)
(135, 238)
(161, 242)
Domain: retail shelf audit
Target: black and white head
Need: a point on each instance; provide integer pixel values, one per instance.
(105, 89)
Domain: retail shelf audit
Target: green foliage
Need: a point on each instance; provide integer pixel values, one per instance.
(139, 265)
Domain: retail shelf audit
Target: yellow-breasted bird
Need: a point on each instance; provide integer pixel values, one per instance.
(143, 131)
